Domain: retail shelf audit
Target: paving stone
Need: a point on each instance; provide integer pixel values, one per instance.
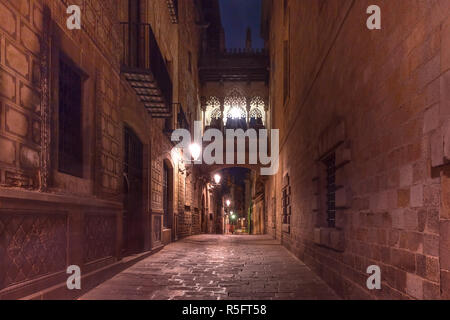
(217, 268)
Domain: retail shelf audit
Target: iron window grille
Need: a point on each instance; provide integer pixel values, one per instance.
(286, 201)
(166, 196)
(70, 144)
(286, 71)
(330, 163)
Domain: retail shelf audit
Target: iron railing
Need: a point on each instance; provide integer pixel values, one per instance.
(142, 53)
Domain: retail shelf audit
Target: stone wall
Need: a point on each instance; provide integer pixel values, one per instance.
(183, 42)
(20, 129)
(33, 34)
(378, 100)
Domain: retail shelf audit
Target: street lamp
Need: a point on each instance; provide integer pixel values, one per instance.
(195, 151)
(228, 202)
(217, 178)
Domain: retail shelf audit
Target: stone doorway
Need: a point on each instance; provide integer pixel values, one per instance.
(133, 193)
(204, 215)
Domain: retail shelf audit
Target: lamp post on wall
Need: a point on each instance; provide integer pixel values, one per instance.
(195, 151)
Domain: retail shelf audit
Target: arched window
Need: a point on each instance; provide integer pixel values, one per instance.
(235, 106)
(236, 112)
(216, 114)
(212, 110)
(257, 111)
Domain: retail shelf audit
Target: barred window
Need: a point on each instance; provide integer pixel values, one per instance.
(330, 163)
(70, 155)
(190, 61)
(166, 196)
(286, 203)
(286, 72)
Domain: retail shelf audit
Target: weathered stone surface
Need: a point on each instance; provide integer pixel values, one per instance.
(445, 94)
(437, 148)
(29, 98)
(414, 286)
(29, 158)
(445, 46)
(445, 245)
(210, 267)
(406, 176)
(8, 85)
(8, 154)
(417, 196)
(16, 122)
(17, 60)
(7, 20)
(29, 39)
(431, 120)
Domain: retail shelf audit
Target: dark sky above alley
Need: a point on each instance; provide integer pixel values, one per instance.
(237, 16)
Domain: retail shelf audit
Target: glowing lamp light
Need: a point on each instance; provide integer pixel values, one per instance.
(195, 151)
(228, 203)
(233, 216)
(235, 113)
(217, 178)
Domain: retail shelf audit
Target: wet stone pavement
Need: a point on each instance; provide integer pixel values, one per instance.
(216, 267)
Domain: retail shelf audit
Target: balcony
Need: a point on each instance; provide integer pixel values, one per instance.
(145, 69)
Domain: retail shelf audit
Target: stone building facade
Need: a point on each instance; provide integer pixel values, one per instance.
(363, 118)
(86, 173)
(89, 177)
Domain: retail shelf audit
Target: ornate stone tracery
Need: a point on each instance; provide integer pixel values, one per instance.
(216, 114)
(235, 106)
(235, 109)
(213, 110)
(256, 113)
(257, 109)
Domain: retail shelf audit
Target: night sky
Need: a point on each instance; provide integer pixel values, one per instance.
(237, 16)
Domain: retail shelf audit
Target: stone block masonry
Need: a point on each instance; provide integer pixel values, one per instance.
(83, 219)
(390, 89)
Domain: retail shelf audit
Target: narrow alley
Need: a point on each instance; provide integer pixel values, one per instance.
(216, 267)
(225, 150)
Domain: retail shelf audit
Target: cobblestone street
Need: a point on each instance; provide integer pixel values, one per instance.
(211, 267)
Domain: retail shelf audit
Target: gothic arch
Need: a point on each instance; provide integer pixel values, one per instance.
(213, 110)
(235, 105)
(257, 109)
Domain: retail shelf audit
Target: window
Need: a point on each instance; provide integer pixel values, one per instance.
(257, 110)
(166, 196)
(330, 163)
(133, 197)
(274, 212)
(285, 10)
(286, 53)
(286, 202)
(190, 61)
(70, 146)
(286, 75)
